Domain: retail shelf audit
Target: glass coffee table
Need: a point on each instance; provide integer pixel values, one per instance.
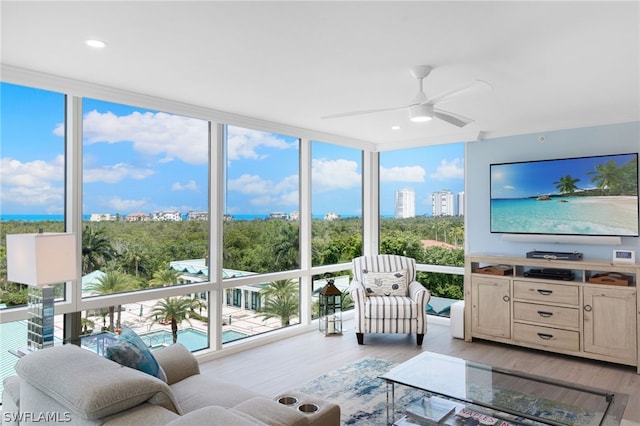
(508, 397)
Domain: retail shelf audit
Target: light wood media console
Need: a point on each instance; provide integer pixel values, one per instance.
(576, 317)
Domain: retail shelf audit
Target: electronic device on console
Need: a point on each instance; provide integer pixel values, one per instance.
(550, 273)
(554, 255)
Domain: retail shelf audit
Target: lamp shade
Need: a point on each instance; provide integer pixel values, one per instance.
(41, 259)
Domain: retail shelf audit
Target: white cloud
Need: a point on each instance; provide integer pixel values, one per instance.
(328, 175)
(46, 195)
(150, 133)
(117, 204)
(266, 192)
(402, 174)
(453, 169)
(189, 186)
(33, 173)
(34, 183)
(509, 187)
(115, 173)
(244, 143)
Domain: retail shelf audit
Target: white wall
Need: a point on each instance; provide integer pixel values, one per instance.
(600, 140)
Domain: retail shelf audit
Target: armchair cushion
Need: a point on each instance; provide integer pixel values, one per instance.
(391, 307)
(386, 283)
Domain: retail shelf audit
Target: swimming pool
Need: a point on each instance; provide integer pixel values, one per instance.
(193, 339)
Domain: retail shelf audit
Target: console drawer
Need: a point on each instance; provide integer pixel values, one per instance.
(547, 336)
(546, 292)
(547, 315)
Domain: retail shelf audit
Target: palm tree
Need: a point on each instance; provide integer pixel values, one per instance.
(174, 310)
(110, 283)
(281, 299)
(163, 278)
(606, 176)
(566, 184)
(287, 246)
(96, 249)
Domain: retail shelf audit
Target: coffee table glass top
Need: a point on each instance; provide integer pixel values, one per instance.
(511, 392)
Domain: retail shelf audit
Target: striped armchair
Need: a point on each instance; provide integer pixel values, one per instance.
(382, 305)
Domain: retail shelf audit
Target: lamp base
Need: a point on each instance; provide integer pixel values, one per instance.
(40, 318)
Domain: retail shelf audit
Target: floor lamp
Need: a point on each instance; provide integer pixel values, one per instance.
(40, 260)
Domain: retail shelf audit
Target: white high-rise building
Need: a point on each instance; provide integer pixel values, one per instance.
(405, 204)
(460, 203)
(442, 203)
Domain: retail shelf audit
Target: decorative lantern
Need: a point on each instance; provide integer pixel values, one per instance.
(330, 312)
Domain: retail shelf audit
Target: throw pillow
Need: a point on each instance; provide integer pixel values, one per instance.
(132, 352)
(386, 283)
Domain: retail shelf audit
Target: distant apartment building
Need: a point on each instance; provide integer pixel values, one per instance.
(405, 203)
(197, 215)
(101, 217)
(331, 216)
(460, 203)
(138, 217)
(166, 216)
(442, 203)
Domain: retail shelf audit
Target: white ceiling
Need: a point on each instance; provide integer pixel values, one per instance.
(552, 65)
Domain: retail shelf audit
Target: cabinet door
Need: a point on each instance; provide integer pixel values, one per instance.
(610, 322)
(490, 308)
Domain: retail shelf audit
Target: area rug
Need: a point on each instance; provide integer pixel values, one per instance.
(362, 396)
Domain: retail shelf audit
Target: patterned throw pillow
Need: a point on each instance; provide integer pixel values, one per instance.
(131, 351)
(385, 283)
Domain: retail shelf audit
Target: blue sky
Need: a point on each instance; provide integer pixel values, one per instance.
(138, 160)
(520, 180)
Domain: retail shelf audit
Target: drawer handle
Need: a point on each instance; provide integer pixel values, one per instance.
(587, 308)
(545, 314)
(505, 298)
(545, 292)
(545, 336)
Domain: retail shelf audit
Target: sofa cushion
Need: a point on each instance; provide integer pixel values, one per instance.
(177, 362)
(111, 388)
(272, 412)
(214, 415)
(147, 362)
(386, 283)
(203, 390)
(143, 414)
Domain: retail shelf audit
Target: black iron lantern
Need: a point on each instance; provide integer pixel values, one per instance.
(330, 313)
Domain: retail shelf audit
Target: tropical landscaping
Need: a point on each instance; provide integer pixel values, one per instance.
(136, 255)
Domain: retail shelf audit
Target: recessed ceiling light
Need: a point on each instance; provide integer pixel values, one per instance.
(395, 127)
(97, 44)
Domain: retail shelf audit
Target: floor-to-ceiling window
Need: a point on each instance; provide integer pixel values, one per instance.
(261, 230)
(336, 218)
(145, 190)
(32, 193)
(422, 213)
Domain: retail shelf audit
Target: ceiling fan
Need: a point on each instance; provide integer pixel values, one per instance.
(422, 108)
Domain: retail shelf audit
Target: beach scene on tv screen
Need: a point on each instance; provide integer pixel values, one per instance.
(573, 196)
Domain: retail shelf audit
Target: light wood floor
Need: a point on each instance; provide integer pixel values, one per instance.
(276, 367)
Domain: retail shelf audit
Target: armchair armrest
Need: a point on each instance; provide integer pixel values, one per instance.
(419, 293)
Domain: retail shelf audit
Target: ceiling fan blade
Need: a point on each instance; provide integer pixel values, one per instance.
(451, 118)
(361, 112)
(467, 88)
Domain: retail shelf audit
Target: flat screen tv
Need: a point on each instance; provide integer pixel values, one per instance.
(593, 196)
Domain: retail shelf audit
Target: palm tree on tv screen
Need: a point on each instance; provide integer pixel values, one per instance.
(566, 184)
(607, 177)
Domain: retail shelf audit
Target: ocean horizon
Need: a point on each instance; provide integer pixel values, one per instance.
(87, 217)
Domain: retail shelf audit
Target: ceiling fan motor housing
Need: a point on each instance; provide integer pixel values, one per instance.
(420, 112)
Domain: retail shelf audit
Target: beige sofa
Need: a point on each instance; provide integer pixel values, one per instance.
(70, 385)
